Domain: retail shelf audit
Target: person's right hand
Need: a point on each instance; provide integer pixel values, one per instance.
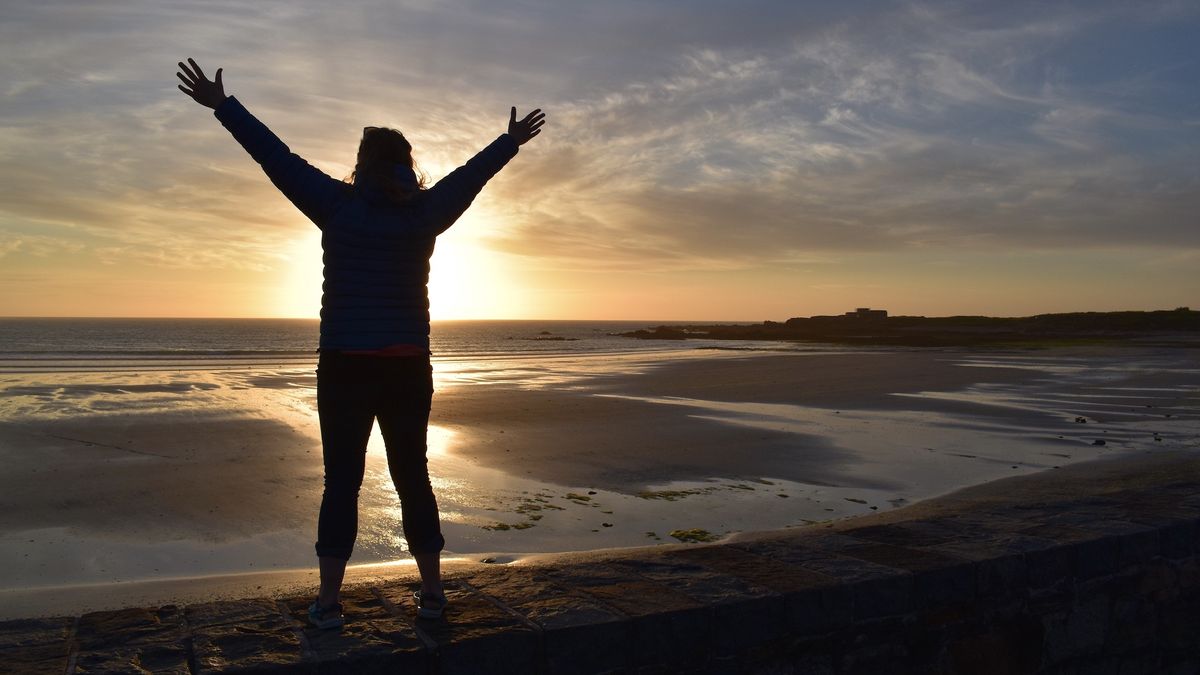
(527, 128)
(207, 94)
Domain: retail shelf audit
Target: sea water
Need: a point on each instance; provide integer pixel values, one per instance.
(38, 344)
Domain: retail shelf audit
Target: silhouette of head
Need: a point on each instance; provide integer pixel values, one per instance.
(385, 162)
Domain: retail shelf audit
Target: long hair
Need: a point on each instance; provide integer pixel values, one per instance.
(379, 152)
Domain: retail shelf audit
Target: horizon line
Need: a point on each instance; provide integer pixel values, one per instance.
(759, 320)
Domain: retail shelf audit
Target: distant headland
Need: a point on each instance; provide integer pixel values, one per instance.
(865, 326)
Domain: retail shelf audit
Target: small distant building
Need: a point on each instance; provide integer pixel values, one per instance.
(868, 313)
(856, 315)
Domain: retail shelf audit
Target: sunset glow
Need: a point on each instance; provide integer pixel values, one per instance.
(725, 161)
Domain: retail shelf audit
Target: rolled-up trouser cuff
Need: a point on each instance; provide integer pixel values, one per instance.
(333, 552)
(435, 546)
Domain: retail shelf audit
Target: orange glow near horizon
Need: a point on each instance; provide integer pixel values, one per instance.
(466, 281)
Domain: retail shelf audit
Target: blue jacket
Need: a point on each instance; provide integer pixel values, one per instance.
(376, 253)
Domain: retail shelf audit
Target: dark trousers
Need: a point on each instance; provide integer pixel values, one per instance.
(352, 392)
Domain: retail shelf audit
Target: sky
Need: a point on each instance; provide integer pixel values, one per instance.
(701, 160)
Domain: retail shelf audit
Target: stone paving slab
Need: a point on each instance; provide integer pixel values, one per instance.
(132, 640)
(36, 645)
(474, 635)
(376, 641)
(1098, 573)
(242, 636)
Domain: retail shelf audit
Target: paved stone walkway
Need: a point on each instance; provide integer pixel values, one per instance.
(1087, 569)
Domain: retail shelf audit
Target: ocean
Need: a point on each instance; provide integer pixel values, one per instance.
(40, 344)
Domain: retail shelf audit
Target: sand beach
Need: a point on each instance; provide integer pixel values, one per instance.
(178, 483)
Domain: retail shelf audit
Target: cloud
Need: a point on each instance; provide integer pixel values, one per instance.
(683, 136)
(858, 140)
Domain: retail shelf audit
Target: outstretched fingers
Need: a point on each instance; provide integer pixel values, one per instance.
(197, 67)
(186, 72)
(534, 122)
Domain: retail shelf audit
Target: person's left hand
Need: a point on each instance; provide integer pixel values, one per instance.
(206, 93)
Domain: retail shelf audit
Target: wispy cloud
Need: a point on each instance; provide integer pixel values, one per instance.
(697, 136)
(842, 143)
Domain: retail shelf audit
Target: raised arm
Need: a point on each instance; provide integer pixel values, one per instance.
(451, 196)
(311, 190)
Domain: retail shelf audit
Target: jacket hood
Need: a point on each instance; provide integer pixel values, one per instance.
(372, 190)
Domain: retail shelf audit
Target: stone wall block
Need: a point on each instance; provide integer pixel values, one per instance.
(669, 627)
(883, 596)
(581, 638)
(1001, 647)
(811, 601)
(937, 577)
(876, 590)
(1094, 557)
(744, 613)
(1158, 581)
(925, 643)
(1001, 575)
(803, 656)
(1177, 539)
(819, 610)
(1188, 574)
(579, 634)
(1179, 626)
(1075, 632)
(1184, 665)
(680, 639)
(1190, 500)
(949, 585)
(1048, 567)
(1133, 626)
(872, 647)
(1138, 547)
(1145, 663)
(1097, 665)
(1137, 542)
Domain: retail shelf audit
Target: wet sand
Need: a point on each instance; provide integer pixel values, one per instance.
(146, 479)
(618, 434)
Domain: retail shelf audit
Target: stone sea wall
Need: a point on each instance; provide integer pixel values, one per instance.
(1074, 572)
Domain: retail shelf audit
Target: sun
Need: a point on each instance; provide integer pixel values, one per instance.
(466, 281)
(299, 296)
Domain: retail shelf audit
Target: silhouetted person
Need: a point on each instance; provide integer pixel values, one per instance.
(378, 233)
